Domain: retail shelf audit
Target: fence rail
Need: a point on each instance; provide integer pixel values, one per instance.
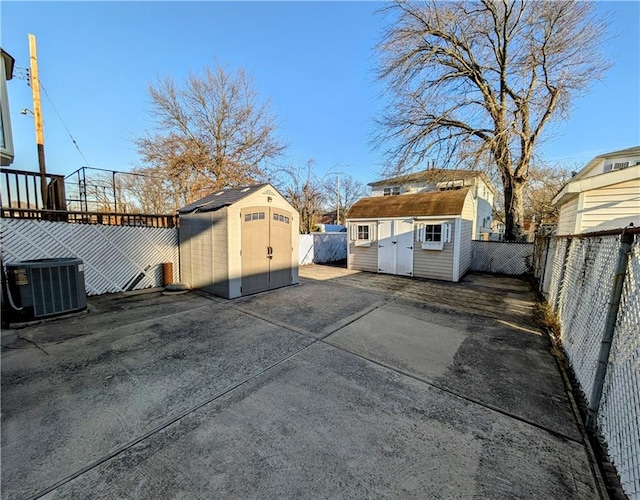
(31, 195)
(31, 190)
(108, 219)
(576, 276)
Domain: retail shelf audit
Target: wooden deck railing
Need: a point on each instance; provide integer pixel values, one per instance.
(21, 197)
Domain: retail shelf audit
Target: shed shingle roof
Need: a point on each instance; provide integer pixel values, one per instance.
(221, 198)
(435, 203)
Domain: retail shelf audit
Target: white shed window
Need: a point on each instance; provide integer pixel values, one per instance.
(433, 236)
(361, 234)
(391, 191)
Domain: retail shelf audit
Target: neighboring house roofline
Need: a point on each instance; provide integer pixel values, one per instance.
(435, 175)
(577, 186)
(633, 151)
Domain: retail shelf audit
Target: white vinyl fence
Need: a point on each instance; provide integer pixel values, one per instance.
(116, 258)
(576, 276)
(319, 248)
(501, 257)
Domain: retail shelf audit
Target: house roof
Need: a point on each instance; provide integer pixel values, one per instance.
(576, 186)
(434, 203)
(621, 153)
(433, 175)
(221, 198)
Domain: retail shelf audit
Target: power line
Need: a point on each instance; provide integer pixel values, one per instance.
(63, 123)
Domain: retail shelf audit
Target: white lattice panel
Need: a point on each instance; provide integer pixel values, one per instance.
(501, 257)
(329, 247)
(318, 248)
(116, 258)
(305, 249)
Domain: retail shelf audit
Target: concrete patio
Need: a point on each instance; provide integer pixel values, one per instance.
(349, 385)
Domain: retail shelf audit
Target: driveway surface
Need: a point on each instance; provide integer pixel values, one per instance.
(349, 385)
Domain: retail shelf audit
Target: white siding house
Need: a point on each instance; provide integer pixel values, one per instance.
(604, 195)
(6, 137)
(436, 179)
(425, 235)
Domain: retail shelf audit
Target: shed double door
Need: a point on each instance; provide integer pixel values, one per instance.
(266, 249)
(395, 247)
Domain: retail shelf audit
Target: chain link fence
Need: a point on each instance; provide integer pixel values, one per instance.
(576, 276)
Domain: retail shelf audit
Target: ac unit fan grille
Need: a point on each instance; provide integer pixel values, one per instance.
(55, 290)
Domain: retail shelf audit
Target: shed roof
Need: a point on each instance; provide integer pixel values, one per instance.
(435, 203)
(221, 198)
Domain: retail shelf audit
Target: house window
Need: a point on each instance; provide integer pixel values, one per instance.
(433, 236)
(361, 234)
(391, 191)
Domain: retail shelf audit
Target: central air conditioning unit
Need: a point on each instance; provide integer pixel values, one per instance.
(46, 287)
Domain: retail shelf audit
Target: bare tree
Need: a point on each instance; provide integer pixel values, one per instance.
(303, 189)
(342, 191)
(481, 79)
(212, 132)
(544, 183)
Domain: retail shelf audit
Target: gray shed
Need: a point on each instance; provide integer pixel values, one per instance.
(239, 241)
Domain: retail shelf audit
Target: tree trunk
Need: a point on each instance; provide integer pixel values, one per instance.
(513, 209)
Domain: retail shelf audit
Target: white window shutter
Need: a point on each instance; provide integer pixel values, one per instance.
(372, 231)
(353, 232)
(447, 233)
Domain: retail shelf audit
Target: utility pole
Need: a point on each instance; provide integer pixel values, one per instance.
(37, 114)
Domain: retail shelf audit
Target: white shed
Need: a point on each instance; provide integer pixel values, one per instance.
(239, 241)
(426, 235)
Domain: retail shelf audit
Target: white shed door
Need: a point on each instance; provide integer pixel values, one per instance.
(395, 247)
(386, 248)
(403, 231)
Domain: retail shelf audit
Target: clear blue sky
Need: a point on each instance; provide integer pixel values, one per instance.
(313, 59)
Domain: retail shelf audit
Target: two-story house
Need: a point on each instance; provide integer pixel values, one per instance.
(438, 179)
(604, 195)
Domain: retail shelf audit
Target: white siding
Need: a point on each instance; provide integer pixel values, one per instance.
(435, 264)
(612, 207)
(466, 236)
(567, 217)
(363, 258)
